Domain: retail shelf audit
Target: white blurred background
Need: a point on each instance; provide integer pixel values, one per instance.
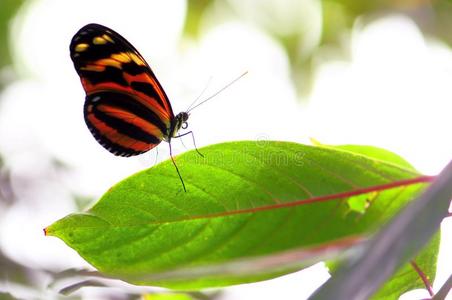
(386, 81)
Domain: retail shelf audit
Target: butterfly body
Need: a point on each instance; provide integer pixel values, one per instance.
(180, 121)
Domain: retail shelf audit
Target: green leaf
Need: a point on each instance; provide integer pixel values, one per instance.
(243, 200)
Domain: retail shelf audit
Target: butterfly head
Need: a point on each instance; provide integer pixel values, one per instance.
(180, 121)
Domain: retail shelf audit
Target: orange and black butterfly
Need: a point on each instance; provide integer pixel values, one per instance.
(126, 108)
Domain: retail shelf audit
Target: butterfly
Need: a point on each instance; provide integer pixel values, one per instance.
(126, 109)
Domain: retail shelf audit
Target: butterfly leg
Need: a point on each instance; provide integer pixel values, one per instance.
(193, 138)
(182, 142)
(156, 155)
(177, 169)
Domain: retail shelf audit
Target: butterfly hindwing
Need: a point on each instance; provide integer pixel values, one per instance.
(126, 109)
(122, 125)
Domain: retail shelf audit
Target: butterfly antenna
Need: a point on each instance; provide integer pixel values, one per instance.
(202, 93)
(215, 94)
(177, 169)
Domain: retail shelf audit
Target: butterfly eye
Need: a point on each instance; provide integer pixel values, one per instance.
(184, 125)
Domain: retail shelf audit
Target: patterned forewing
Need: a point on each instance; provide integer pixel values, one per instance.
(126, 108)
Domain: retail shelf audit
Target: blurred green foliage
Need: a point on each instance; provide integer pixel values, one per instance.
(8, 9)
(195, 11)
(434, 18)
(13, 272)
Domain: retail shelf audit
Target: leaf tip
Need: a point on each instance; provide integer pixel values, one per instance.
(47, 230)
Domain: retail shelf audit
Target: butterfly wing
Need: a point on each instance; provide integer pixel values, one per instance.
(126, 109)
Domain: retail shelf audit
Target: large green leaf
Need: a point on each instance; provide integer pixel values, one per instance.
(243, 199)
